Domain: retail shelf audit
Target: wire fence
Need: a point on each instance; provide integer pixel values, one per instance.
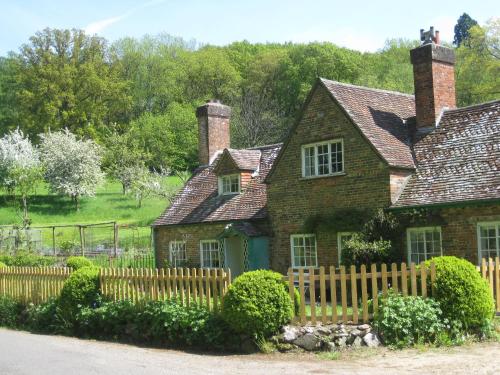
(110, 243)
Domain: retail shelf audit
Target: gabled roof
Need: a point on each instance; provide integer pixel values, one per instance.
(243, 160)
(459, 160)
(199, 201)
(380, 115)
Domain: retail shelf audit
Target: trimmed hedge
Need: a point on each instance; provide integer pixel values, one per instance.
(27, 259)
(257, 304)
(462, 293)
(78, 262)
(80, 290)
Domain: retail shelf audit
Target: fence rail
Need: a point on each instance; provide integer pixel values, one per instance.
(32, 284)
(196, 285)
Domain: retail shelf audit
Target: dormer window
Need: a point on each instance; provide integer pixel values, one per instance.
(229, 184)
(323, 158)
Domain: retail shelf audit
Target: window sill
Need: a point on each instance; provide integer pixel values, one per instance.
(324, 176)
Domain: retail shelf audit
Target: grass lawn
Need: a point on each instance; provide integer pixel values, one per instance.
(108, 205)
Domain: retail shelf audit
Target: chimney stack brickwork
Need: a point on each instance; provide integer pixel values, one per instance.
(213, 130)
(434, 80)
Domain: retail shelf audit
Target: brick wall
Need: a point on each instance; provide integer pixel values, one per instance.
(192, 234)
(459, 230)
(291, 198)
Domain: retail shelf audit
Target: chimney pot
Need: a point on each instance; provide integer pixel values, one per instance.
(433, 77)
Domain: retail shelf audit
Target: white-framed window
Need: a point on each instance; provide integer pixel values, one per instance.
(342, 238)
(423, 243)
(209, 253)
(304, 250)
(177, 253)
(229, 184)
(488, 240)
(323, 158)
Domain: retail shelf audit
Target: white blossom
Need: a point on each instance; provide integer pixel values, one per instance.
(72, 166)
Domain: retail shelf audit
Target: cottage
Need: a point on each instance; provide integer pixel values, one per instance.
(353, 149)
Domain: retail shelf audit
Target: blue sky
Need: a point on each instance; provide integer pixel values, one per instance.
(362, 25)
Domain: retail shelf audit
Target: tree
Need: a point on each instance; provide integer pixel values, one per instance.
(66, 79)
(464, 23)
(123, 157)
(20, 167)
(478, 65)
(72, 166)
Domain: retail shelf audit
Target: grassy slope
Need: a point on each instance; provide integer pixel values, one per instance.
(108, 205)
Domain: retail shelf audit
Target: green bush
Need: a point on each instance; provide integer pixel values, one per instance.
(257, 303)
(462, 293)
(2, 265)
(157, 322)
(80, 290)
(45, 318)
(78, 262)
(28, 259)
(358, 251)
(10, 311)
(406, 321)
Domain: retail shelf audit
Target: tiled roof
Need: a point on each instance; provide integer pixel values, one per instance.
(459, 160)
(380, 116)
(199, 201)
(246, 159)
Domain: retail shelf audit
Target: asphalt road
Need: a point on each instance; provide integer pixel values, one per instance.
(25, 353)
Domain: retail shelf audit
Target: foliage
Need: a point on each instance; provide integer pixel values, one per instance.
(406, 321)
(20, 167)
(80, 290)
(340, 220)
(72, 166)
(357, 251)
(464, 24)
(45, 318)
(463, 294)
(10, 311)
(64, 78)
(78, 262)
(2, 264)
(257, 303)
(25, 258)
(166, 322)
(478, 63)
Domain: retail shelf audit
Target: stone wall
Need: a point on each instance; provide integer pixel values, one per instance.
(291, 198)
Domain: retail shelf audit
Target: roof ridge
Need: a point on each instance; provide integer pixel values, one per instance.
(472, 106)
(367, 88)
(264, 146)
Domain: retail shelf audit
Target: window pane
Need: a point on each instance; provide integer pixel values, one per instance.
(323, 163)
(336, 157)
(304, 251)
(309, 161)
(489, 240)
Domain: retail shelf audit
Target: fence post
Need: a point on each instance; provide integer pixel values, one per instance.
(115, 238)
(54, 240)
(82, 240)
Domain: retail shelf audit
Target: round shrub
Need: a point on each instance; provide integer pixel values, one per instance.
(257, 303)
(406, 321)
(78, 262)
(80, 290)
(462, 293)
(10, 310)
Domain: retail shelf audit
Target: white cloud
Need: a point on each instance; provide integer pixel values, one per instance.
(345, 37)
(98, 26)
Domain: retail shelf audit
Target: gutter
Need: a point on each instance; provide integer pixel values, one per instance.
(476, 202)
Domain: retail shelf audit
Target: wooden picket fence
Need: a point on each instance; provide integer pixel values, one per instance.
(353, 296)
(196, 285)
(490, 270)
(32, 284)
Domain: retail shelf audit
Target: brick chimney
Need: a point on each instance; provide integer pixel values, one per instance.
(213, 129)
(434, 78)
